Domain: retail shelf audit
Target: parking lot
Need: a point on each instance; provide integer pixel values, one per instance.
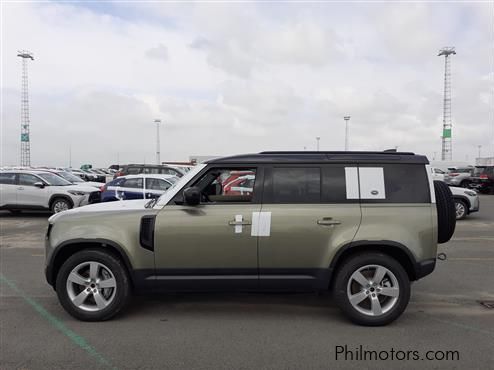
(211, 331)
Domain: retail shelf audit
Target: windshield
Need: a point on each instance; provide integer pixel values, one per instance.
(181, 182)
(70, 177)
(53, 179)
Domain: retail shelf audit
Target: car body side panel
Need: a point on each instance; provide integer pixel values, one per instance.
(298, 241)
(412, 225)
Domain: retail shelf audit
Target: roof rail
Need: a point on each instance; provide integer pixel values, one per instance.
(388, 151)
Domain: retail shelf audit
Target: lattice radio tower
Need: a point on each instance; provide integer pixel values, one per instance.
(25, 139)
(447, 149)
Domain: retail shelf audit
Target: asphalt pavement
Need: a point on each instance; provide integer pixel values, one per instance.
(249, 331)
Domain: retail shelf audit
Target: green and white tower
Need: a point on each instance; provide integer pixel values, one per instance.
(25, 138)
(447, 149)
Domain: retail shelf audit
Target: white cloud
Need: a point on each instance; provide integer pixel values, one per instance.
(231, 78)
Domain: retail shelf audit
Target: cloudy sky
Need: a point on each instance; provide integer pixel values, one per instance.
(243, 77)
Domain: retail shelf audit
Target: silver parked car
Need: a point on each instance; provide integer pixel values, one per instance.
(466, 201)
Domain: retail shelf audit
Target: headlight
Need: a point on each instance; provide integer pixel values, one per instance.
(471, 193)
(77, 192)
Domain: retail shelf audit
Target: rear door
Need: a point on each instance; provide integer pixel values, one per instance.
(131, 188)
(155, 187)
(8, 189)
(307, 213)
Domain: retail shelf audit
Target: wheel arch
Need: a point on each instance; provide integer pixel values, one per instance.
(70, 247)
(63, 196)
(464, 199)
(391, 248)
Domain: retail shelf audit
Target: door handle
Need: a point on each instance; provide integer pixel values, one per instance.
(328, 221)
(237, 223)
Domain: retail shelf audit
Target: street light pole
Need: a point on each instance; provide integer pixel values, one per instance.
(480, 147)
(317, 139)
(346, 118)
(158, 122)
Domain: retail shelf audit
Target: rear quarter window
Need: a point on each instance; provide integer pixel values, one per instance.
(404, 183)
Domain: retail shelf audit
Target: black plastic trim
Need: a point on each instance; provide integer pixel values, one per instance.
(375, 243)
(424, 268)
(146, 232)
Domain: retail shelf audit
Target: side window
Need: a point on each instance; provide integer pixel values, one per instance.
(135, 183)
(7, 178)
(296, 185)
(27, 179)
(116, 182)
(157, 184)
(133, 170)
(403, 183)
(223, 185)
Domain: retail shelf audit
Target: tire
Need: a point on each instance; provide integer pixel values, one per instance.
(366, 311)
(465, 184)
(446, 213)
(82, 296)
(461, 209)
(59, 205)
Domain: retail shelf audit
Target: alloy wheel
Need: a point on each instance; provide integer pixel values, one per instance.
(373, 290)
(91, 286)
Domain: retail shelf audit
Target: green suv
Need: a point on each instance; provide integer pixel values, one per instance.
(361, 224)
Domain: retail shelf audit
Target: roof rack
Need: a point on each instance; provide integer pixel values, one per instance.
(388, 151)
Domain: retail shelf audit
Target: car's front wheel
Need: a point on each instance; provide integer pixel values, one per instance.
(461, 209)
(59, 205)
(93, 285)
(372, 289)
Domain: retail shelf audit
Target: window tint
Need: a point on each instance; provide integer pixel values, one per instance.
(117, 182)
(135, 183)
(157, 184)
(227, 185)
(296, 185)
(334, 185)
(28, 180)
(7, 178)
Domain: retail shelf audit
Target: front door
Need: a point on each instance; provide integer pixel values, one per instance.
(30, 195)
(209, 246)
(307, 213)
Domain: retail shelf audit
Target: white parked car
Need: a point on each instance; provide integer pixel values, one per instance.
(42, 190)
(466, 201)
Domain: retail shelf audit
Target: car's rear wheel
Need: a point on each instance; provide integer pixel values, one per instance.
(372, 289)
(93, 285)
(465, 184)
(461, 209)
(59, 205)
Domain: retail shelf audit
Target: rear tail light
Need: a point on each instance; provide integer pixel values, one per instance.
(483, 176)
(118, 173)
(102, 188)
(453, 174)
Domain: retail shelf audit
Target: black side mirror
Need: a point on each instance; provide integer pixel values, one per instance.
(192, 196)
(39, 184)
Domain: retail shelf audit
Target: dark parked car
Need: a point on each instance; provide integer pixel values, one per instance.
(483, 179)
(147, 169)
